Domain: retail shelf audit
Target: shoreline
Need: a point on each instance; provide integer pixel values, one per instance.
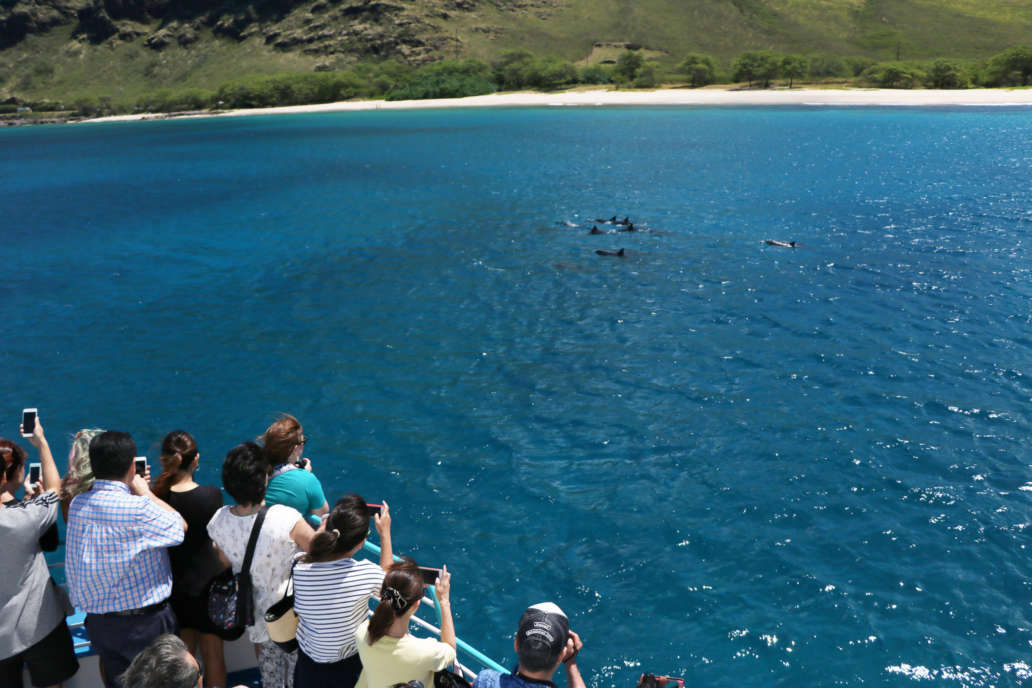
(716, 97)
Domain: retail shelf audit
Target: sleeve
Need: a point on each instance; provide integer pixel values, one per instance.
(43, 511)
(161, 527)
(316, 497)
(375, 574)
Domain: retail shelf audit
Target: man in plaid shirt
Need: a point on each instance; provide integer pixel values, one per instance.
(116, 559)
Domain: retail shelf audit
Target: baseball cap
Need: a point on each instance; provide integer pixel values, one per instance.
(541, 636)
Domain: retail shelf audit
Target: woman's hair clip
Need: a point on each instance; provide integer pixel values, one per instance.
(393, 597)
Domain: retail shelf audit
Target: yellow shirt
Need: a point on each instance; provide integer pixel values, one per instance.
(400, 660)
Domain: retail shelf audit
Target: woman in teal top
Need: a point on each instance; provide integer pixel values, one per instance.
(291, 481)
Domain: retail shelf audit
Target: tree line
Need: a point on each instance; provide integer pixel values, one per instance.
(521, 70)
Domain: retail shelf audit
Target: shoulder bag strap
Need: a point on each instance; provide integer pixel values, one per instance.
(255, 529)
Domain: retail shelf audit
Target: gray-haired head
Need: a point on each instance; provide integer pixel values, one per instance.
(165, 663)
(79, 478)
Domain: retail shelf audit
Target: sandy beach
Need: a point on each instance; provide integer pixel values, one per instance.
(699, 97)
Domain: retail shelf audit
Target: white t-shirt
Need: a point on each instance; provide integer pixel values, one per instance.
(273, 554)
(332, 599)
(399, 660)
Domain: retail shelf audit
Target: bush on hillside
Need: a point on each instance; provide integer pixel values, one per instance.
(793, 67)
(945, 74)
(595, 74)
(520, 69)
(760, 66)
(893, 75)
(1010, 68)
(824, 66)
(699, 69)
(647, 76)
(449, 79)
(627, 66)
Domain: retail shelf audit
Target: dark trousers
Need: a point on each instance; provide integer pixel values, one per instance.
(117, 639)
(312, 674)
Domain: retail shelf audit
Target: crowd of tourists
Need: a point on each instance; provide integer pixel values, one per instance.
(142, 555)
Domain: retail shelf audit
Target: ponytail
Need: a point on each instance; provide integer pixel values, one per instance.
(401, 590)
(178, 453)
(347, 525)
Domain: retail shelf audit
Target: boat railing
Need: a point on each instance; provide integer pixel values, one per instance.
(466, 652)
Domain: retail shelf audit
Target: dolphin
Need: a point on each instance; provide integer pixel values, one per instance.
(618, 254)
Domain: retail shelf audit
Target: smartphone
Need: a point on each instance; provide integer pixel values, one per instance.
(430, 575)
(34, 473)
(28, 421)
(141, 465)
(374, 509)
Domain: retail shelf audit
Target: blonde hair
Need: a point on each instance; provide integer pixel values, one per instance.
(80, 473)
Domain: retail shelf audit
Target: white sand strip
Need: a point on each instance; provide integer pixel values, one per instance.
(702, 96)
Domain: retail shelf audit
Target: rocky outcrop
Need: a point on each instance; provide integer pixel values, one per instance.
(176, 32)
(406, 30)
(22, 18)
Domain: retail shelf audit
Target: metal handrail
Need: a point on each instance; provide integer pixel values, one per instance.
(461, 644)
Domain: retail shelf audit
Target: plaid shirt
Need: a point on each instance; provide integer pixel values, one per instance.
(115, 556)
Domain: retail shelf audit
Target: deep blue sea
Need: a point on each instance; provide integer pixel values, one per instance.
(743, 465)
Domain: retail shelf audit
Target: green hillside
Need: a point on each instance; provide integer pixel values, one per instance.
(118, 50)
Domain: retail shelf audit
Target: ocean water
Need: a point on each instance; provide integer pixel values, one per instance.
(742, 465)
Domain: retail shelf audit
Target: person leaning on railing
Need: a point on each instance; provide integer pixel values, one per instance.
(33, 630)
(283, 534)
(291, 480)
(195, 562)
(331, 594)
(543, 641)
(389, 653)
(116, 559)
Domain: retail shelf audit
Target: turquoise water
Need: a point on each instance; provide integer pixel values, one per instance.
(742, 465)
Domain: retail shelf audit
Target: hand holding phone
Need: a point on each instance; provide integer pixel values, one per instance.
(28, 423)
(35, 470)
(430, 575)
(141, 465)
(374, 510)
(382, 520)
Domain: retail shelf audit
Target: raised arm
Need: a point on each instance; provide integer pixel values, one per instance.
(573, 648)
(383, 526)
(139, 487)
(443, 589)
(51, 478)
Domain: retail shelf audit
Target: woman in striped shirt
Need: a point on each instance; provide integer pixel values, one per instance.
(331, 594)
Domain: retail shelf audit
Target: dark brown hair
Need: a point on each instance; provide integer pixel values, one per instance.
(178, 453)
(280, 438)
(347, 525)
(402, 588)
(12, 457)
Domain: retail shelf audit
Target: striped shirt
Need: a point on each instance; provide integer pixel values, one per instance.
(332, 599)
(115, 556)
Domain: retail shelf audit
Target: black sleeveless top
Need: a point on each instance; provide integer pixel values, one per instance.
(194, 563)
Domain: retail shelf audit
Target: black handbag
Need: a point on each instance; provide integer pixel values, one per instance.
(231, 597)
(445, 678)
